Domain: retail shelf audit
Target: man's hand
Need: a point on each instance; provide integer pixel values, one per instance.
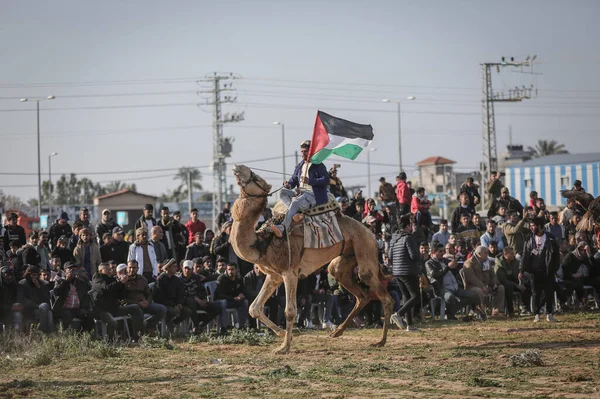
(200, 301)
(242, 297)
(286, 184)
(522, 288)
(123, 278)
(453, 265)
(179, 307)
(304, 180)
(143, 304)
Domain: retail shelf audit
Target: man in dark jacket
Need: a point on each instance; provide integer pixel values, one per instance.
(253, 282)
(170, 291)
(494, 186)
(222, 247)
(230, 295)
(34, 295)
(510, 203)
(11, 311)
(405, 259)
(60, 228)
(541, 259)
(15, 258)
(14, 232)
(224, 216)
(472, 191)
(465, 208)
(196, 297)
(197, 249)
(507, 272)
(72, 300)
(107, 294)
(117, 249)
(106, 225)
(62, 251)
(172, 234)
(146, 221)
(29, 252)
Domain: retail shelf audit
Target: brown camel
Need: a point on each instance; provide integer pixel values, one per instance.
(271, 255)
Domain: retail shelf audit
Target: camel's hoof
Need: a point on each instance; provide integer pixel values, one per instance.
(279, 333)
(337, 333)
(282, 350)
(379, 344)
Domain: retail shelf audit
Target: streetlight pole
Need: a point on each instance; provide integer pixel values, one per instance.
(38, 149)
(50, 186)
(399, 114)
(369, 170)
(277, 123)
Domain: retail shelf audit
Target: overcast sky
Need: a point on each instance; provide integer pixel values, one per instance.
(295, 57)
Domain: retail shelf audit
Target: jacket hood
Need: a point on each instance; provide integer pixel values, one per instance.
(208, 231)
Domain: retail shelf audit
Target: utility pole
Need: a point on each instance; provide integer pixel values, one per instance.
(190, 188)
(221, 83)
(489, 150)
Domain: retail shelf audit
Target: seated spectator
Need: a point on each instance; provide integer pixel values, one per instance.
(442, 235)
(466, 230)
(507, 271)
(138, 292)
(107, 294)
(28, 252)
(230, 295)
(56, 268)
(492, 233)
(34, 295)
(479, 225)
(45, 276)
(197, 249)
(62, 251)
(87, 253)
(112, 267)
(501, 216)
(105, 248)
(445, 284)
(205, 269)
(196, 298)
(170, 291)
(481, 279)
(14, 259)
(493, 251)
(221, 265)
(576, 267)
(11, 311)
(72, 300)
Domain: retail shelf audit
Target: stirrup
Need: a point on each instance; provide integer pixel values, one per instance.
(298, 217)
(276, 231)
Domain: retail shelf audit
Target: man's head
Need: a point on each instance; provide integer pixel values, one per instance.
(132, 268)
(44, 275)
(304, 148)
(84, 215)
(118, 234)
(537, 226)
(469, 182)
(157, 233)
(208, 236)
(438, 252)
(504, 193)
(501, 211)
(452, 239)
(198, 238)
(148, 211)
(221, 264)
(32, 272)
(343, 203)
(493, 175)
(187, 268)
(553, 218)
(533, 195)
(481, 253)
(464, 199)
(443, 225)
(509, 254)
(43, 238)
(8, 275)
(63, 219)
(401, 176)
(165, 215)
(104, 268)
(106, 238)
(577, 185)
(13, 219)
(177, 216)
(421, 191)
(257, 271)
(450, 249)
(77, 226)
(85, 235)
(141, 235)
(529, 211)
(55, 262)
(464, 219)
(492, 248)
(475, 218)
(194, 214)
(62, 242)
(197, 265)
(382, 180)
(513, 216)
(112, 266)
(207, 263)
(405, 224)
(169, 267)
(491, 226)
(33, 237)
(121, 270)
(570, 203)
(231, 270)
(226, 228)
(424, 248)
(106, 215)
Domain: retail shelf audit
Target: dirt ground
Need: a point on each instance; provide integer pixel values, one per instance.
(443, 360)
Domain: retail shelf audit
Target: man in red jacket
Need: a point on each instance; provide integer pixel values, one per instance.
(194, 226)
(402, 194)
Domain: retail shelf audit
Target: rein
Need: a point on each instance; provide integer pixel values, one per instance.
(266, 192)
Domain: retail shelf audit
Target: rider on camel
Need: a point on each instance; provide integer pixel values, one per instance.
(310, 181)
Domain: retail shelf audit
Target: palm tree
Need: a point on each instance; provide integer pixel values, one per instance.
(183, 176)
(545, 148)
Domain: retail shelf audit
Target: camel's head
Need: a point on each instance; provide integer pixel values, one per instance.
(251, 184)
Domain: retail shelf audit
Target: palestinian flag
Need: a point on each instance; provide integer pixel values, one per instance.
(335, 136)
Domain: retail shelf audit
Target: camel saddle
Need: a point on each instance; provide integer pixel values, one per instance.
(320, 225)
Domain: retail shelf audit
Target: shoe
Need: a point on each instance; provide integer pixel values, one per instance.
(277, 230)
(480, 314)
(298, 217)
(310, 325)
(536, 319)
(412, 329)
(525, 312)
(329, 326)
(399, 321)
(550, 318)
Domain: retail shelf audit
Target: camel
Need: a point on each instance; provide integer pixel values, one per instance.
(359, 248)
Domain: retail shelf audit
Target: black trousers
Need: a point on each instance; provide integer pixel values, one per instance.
(542, 284)
(409, 286)
(212, 310)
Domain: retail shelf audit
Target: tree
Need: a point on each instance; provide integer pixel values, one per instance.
(118, 185)
(183, 176)
(547, 147)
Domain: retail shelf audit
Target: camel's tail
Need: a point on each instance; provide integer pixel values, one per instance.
(587, 222)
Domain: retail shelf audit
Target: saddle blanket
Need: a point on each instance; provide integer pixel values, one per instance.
(321, 231)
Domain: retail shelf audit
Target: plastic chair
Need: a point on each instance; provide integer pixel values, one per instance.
(104, 326)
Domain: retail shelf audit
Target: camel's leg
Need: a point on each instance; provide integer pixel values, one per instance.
(257, 308)
(372, 277)
(341, 268)
(290, 279)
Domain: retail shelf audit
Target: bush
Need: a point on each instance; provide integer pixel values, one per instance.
(235, 337)
(528, 358)
(156, 343)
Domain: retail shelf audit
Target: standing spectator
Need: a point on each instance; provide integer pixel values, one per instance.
(194, 225)
(74, 239)
(516, 232)
(224, 216)
(71, 299)
(84, 218)
(464, 208)
(420, 208)
(541, 259)
(386, 194)
(403, 194)
(14, 232)
(56, 272)
(577, 186)
(156, 240)
(87, 253)
(404, 256)
(442, 235)
(106, 225)
(107, 293)
(494, 186)
(197, 249)
(29, 252)
(533, 196)
(507, 271)
(121, 247)
(170, 291)
(253, 282)
(510, 203)
(492, 234)
(105, 248)
(43, 251)
(230, 295)
(568, 212)
(61, 250)
(552, 227)
(172, 233)
(34, 295)
(541, 211)
(335, 184)
(185, 232)
(481, 279)
(60, 228)
(196, 298)
(500, 217)
(142, 251)
(472, 191)
(147, 220)
(222, 247)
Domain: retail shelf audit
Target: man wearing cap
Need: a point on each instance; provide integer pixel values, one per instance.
(195, 297)
(311, 181)
(194, 225)
(84, 217)
(11, 311)
(106, 225)
(142, 251)
(60, 228)
(224, 216)
(472, 191)
(34, 295)
(146, 220)
(204, 267)
(138, 293)
(510, 203)
(71, 298)
(170, 291)
(197, 249)
(336, 188)
(14, 232)
(116, 249)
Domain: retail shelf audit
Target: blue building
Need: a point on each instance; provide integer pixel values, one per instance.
(548, 175)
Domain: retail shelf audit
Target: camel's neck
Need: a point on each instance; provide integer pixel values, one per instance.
(245, 213)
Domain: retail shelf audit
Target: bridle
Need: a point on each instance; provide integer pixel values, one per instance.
(254, 180)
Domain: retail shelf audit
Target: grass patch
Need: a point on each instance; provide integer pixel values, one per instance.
(235, 337)
(282, 372)
(156, 343)
(482, 382)
(530, 358)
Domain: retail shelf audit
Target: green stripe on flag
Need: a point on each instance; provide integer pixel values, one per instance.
(349, 151)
